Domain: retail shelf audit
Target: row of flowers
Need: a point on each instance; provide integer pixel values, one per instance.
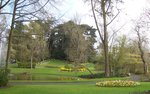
(117, 83)
(64, 68)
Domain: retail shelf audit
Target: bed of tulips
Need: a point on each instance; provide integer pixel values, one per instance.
(117, 83)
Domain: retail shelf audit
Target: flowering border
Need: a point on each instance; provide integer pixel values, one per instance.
(117, 83)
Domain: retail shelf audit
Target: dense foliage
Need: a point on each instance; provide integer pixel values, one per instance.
(3, 77)
(72, 42)
(124, 58)
(25, 65)
(29, 43)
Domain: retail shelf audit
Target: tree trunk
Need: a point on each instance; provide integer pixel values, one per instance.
(145, 66)
(10, 34)
(31, 60)
(105, 39)
(107, 72)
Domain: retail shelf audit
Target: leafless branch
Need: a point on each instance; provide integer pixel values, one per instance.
(53, 6)
(115, 32)
(92, 5)
(109, 3)
(19, 3)
(27, 4)
(113, 18)
(6, 13)
(27, 12)
(4, 4)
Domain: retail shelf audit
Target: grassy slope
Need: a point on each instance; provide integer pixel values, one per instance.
(46, 70)
(42, 71)
(71, 89)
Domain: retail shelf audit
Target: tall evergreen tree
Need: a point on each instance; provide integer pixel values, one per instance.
(73, 42)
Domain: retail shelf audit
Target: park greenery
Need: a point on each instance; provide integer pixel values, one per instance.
(46, 55)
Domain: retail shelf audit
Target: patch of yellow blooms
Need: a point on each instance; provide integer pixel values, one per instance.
(117, 83)
(70, 69)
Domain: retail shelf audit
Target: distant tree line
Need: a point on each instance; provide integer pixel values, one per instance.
(39, 40)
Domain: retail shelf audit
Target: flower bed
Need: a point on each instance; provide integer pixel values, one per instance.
(117, 83)
(68, 68)
(65, 69)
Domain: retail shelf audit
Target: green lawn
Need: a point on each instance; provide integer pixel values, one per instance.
(50, 70)
(72, 89)
(49, 67)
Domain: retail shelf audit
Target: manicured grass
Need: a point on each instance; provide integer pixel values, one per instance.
(53, 69)
(50, 69)
(72, 89)
(42, 73)
(49, 73)
(75, 80)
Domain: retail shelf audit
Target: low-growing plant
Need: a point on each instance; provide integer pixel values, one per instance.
(4, 77)
(117, 83)
(70, 68)
(25, 65)
(64, 68)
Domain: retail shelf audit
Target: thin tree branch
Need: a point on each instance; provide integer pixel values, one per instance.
(27, 4)
(21, 2)
(4, 4)
(27, 11)
(40, 8)
(3, 13)
(96, 22)
(109, 3)
(116, 32)
(113, 18)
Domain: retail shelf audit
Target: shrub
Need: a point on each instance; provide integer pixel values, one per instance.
(25, 65)
(95, 75)
(117, 83)
(4, 77)
(99, 66)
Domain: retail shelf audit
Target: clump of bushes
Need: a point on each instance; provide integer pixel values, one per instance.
(117, 83)
(25, 65)
(4, 77)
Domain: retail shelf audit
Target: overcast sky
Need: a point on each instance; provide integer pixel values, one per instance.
(131, 9)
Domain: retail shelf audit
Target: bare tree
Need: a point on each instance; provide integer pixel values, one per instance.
(142, 26)
(141, 41)
(103, 15)
(25, 10)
